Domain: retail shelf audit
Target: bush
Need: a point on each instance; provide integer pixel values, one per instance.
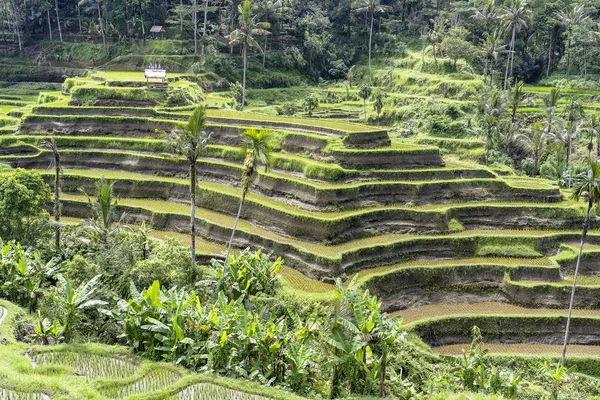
(527, 166)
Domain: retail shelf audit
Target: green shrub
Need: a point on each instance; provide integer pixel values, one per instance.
(527, 166)
(455, 226)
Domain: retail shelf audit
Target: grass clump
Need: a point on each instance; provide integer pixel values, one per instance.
(522, 251)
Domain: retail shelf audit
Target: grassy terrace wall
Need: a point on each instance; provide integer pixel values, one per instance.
(507, 329)
(307, 194)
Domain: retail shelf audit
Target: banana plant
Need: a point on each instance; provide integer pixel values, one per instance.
(73, 302)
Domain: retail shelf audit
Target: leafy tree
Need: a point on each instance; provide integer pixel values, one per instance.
(535, 142)
(101, 27)
(246, 34)
(57, 173)
(455, 46)
(492, 113)
(437, 34)
(311, 103)
(365, 92)
(515, 19)
(190, 141)
(370, 7)
(72, 302)
(517, 98)
(550, 105)
(587, 186)
(378, 103)
(491, 49)
(488, 14)
(257, 148)
(270, 11)
(23, 199)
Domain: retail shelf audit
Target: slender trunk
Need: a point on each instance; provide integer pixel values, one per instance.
(434, 53)
(569, 55)
(49, 24)
(574, 287)
(569, 159)
(512, 53)
(365, 108)
(487, 69)
(370, 42)
(382, 370)
(79, 19)
(423, 57)
(508, 61)
(193, 210)
(195, 19)
(17, 29)
(181, 18)
(265, 52)
(549, 54)
(58, 20)
(101, 22)
(245, 55)
(598, 146)
(237, 219)
(204, 26)
(56, 193)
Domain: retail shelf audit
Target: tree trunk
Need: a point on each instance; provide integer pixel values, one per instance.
(265, 52)
(365, 108)
(237, 219)
(79, 19)
(574, 287)
(193, 210)
(569, 55)
(245, 55)
(58, 20)
(508, 61)
(370, 42)
(195, 20)
(17, 29)
(549, 54)
(101, 22)
(49, 24)
(56, 193)
(487, 69)
(204, 26)
(181, 18)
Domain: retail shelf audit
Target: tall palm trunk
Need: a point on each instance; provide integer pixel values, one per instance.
(265, 52)
(101, 22)
(245, 55)
(56, 193)
(365, 108)
(193, 210)
(16, 25)
(549, 55)
(195, 19)
(569, 55)
(370, 43)
(204, 26)
(235, 224)
(49, 24)
(58, 20)
(181, 19)
(79, 19)
(574, 287)
(510, 56)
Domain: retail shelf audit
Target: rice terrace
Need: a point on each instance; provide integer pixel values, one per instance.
(291, 199)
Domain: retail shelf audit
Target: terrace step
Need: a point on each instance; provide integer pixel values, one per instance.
(318, 260)
(311, 195)
(525, 348)
(326, 227)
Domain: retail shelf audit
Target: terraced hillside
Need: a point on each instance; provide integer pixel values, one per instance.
(447, 244)
(104, 372)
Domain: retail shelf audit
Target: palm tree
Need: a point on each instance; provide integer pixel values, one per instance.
(517, 98)
(587, 185)
(371, 7)
(58, 20)
(515, 18)
(535, 143)
(100, 20)
(364, 93)
(104, 222)
(550, 105)
(488, 14)
(246, 35)
(270, 11)
(190, 141)
(57, 171)
(257, 148)
(576, 16)
(491, 49)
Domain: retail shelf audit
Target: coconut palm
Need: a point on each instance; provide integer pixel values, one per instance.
(257, 149)
(491, 49)
(587, 186)
(536, 143)
(370, 7)
(568, 19)
(517, 98)
(190, 141)
(364, 93)
(488, 14)
(100, 19)
(246, 34)
(104, 222)
(515, 18)
(270, 11)
(57, 172)
(550, 105)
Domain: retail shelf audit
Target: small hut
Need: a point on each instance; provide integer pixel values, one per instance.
(156, 72)
(156, 29)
